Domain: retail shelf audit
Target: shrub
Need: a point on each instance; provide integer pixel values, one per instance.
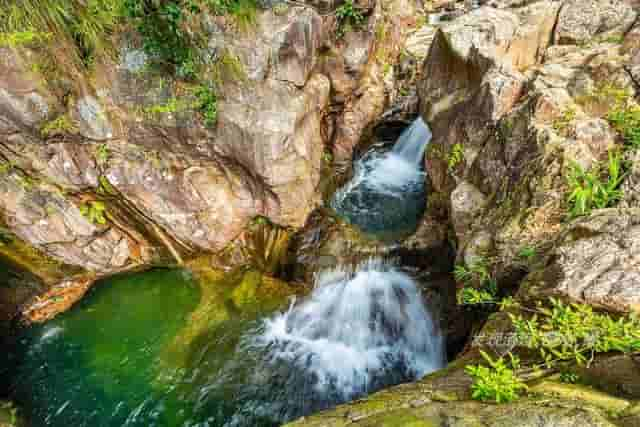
(207, 104)
(160, 25)
(349, 17)
(85, 24)
(497, 382)
(574, 332)
(589, 191)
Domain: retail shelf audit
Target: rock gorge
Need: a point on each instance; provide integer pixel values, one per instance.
(516, 93)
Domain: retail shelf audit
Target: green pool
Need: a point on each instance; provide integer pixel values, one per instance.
(145, 349)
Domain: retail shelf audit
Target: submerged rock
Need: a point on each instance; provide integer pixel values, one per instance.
(9, 416)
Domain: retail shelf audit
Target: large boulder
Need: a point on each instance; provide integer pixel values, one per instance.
(582, 20)
(595, 262)
(275, 132)
(472, 78)
(443, 399)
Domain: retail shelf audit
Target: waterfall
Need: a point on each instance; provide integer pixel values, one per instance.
(413, 142)
(359, 331)
(386, 193)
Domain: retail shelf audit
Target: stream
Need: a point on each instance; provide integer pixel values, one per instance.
(163, 348)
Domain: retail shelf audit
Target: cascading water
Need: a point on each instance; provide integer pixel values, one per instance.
(358, 332)
(386, 195)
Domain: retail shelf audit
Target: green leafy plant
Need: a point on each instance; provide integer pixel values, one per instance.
(58, 126)
(569, 377)
(455, 156)
(171, 106)
(349, 17)
(207, 104)
(497, 382)
(103, 154)
(507, 303)
(105, 187)
(479, 287)
(94, 211)
(527, 253)
(574, 332)
(625, 118)
(22, 38)
(160, 23)
(473, 296)
(589, 191)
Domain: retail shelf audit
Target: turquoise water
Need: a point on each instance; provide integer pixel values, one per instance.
(126, 355)
(96, 365)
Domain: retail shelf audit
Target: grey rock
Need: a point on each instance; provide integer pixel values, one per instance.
(93, 120)
(582, 20)
(467, 202)
(598, 261)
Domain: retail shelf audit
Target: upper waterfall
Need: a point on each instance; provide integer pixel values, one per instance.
(386, 195)
(413, 142)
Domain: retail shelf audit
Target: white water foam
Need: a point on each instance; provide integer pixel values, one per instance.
(356, 331)
(387, 188)
(413, 142)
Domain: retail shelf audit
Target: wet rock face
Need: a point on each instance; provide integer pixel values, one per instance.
(275, 132)
(17, 287)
